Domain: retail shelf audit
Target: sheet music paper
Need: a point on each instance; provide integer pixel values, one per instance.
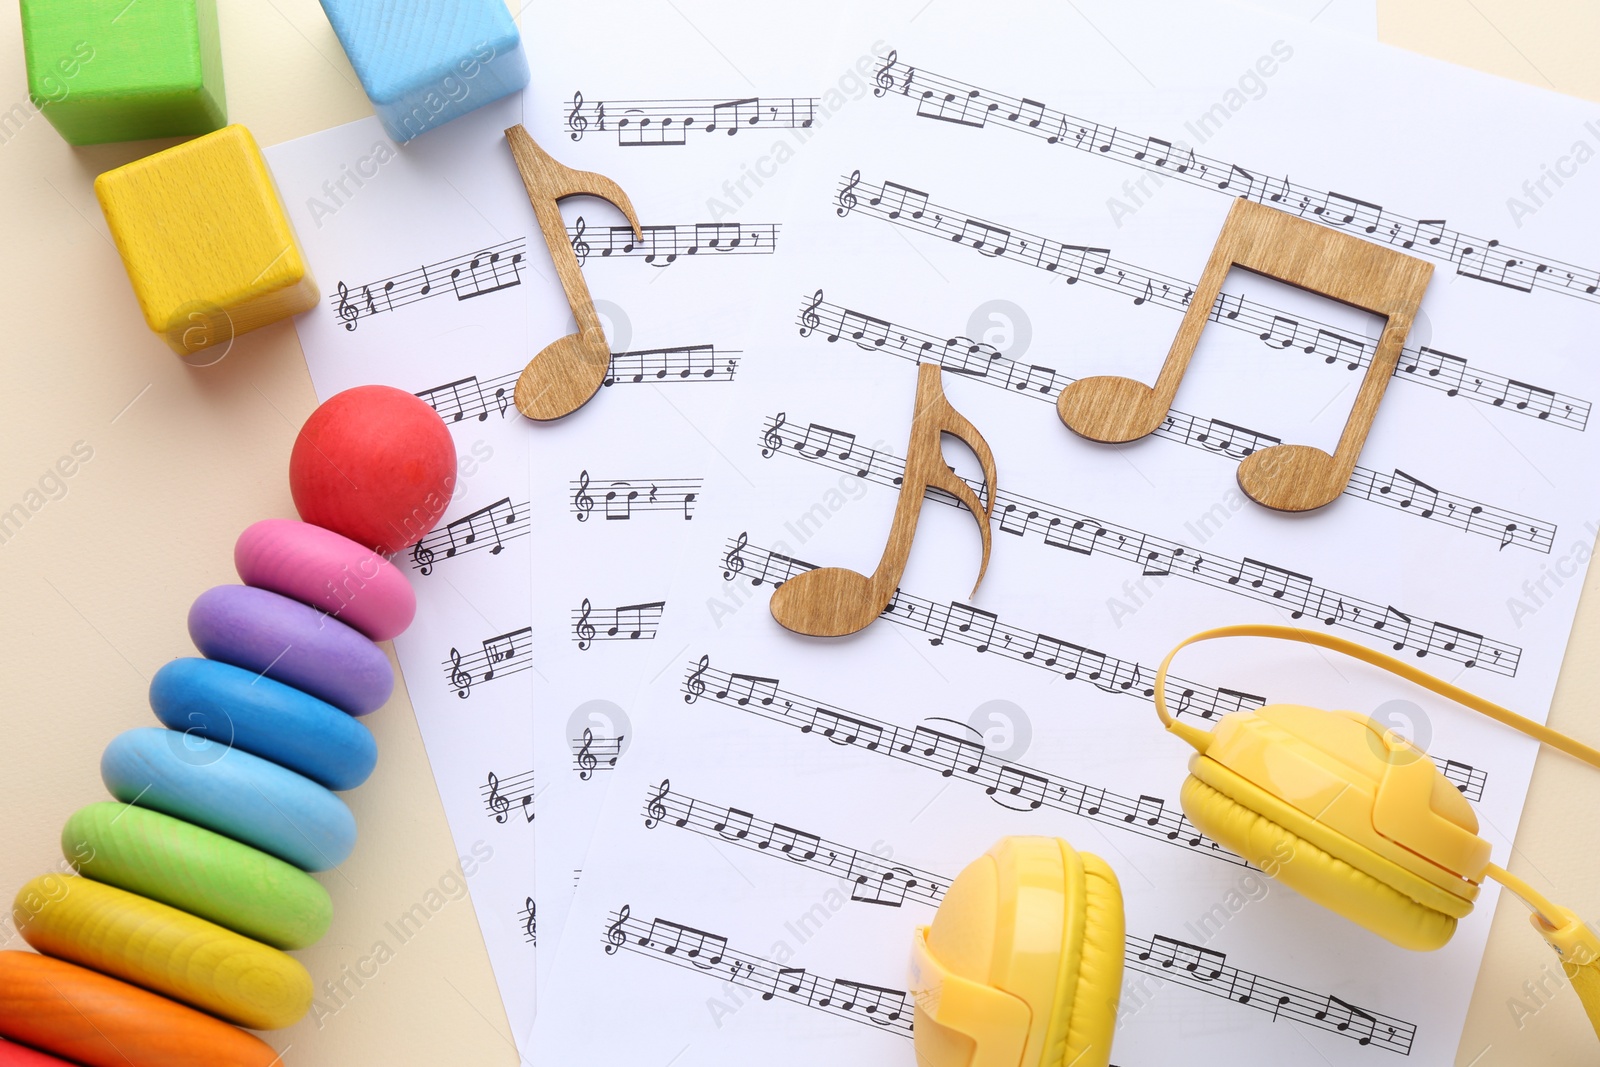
(434, 278)
(793, 808)
(704, 130)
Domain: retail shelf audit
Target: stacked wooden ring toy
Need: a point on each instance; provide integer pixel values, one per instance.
(174, 930)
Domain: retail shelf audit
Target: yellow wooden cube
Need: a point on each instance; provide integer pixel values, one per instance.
(206, 241)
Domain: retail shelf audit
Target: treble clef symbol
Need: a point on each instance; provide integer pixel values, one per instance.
(733, 562)
(530, 929)
(847, 199)
(585, 628)
(499, 806)
(655, 811)
(422, 556)
(347, 311)
(615, 938)
(580, 247)
(770, 439)
(885, 75)
(575, 121)
(696, 685)
(808, 318)
(586, 761)
(458, 677)
(582, 502)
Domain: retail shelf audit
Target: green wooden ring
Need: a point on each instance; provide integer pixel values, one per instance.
(197, 871)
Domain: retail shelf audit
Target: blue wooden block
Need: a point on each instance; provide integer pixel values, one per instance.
(425, 62)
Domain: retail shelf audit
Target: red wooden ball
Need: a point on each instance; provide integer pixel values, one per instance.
(375, 464)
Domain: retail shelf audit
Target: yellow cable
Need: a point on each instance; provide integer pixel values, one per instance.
(1200, 739)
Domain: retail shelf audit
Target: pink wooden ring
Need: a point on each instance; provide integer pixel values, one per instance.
(329, 572)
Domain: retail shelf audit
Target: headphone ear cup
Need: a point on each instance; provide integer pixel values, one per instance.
(1022, 966)
(1085, 1015)
(1316, 873)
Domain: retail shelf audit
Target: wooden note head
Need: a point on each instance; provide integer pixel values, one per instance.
(830, 602)
(1110, 409)
(564, 375)
(1276, 244)
(570, 370)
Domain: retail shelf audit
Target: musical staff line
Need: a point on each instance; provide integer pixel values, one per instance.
(880, 881)
(474, 274)
(983, 362)
(503, 796)
(473, 398)
(618, 500)
(488, 527)
(910, 209)
(503, 654)
(1011, 785)
(662, 245)
(958, 623)
(630, 622)
(946, 99)
(668, 123)
(1075, 532)
(591, 753)
(708, 953)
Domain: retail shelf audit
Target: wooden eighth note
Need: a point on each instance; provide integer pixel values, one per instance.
(569, 370)
(1289, 249)
(836, 601)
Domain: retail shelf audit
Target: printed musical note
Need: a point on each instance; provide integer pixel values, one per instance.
(621, 500)
(1472, 257)
(958, 759)
(1266, 241)
(673, 943)
(1211, 435)
(1149, 288)
(569, 370)
(630, 622)
(836, 601)
(498, 656)
(501, 796)
(877, 880)
(1060, 527)
(670, 123)
(408, 287)
(593, 753)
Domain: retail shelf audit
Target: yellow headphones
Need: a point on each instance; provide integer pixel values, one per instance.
(1022, 966)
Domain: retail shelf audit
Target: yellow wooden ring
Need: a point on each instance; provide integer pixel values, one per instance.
(163, 949)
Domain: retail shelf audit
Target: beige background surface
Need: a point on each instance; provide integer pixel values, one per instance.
(94, 589)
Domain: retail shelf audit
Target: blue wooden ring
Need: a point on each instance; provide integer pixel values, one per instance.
(265, 718)
(231, 792)
(284, 639)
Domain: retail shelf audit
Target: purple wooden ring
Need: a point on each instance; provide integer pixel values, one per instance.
(288, 642)
(329, 572)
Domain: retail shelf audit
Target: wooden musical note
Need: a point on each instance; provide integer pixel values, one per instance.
(1285, 477)
(835, 601)
(569, 370)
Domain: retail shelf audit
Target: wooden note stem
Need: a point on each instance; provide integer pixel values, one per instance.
(569, 370)
(1273, 243)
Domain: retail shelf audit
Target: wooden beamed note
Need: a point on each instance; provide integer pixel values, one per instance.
(836, 601)
(569, 370)
(1289, 249)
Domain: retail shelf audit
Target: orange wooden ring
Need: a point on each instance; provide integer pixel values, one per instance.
(22, 1056)
(97, 1021)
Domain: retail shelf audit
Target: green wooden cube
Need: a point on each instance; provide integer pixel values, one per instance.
(125, 70)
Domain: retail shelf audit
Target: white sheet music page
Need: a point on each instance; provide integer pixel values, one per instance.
(699, 121)
(1025, 214)
(434, 277)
